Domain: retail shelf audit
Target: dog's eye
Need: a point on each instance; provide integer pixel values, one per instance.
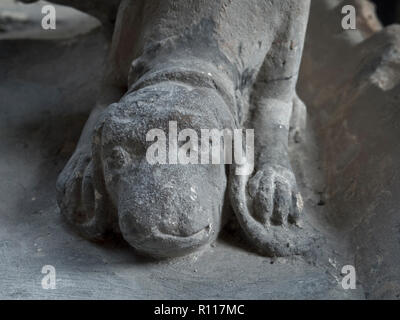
(118, 158)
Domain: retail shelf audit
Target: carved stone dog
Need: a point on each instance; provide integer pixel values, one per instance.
(206, 64)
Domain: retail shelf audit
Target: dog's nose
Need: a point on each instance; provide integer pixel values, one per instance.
(163, 218)
(159, 244)
(170, 237)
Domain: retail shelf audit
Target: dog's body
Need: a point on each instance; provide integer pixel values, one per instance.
(205, 64)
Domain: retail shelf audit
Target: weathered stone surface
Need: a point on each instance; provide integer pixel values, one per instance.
(201, 63)
(352, 106)
(40, 126)
(367, 20)
(353, 102)
(38, 133)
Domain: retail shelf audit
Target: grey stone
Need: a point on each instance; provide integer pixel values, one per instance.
(353, 105)
(39, 128)
(176, 66)
(42, 114)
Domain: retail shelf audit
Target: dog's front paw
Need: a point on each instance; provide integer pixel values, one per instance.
(268, 207)
(274, 196)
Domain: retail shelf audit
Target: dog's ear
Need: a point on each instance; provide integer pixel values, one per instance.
(81, 191)
(95, 197)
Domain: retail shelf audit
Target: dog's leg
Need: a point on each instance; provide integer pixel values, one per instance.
(267, 203)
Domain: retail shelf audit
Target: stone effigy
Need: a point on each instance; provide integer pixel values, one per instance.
(349, 81)
(209, 65)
